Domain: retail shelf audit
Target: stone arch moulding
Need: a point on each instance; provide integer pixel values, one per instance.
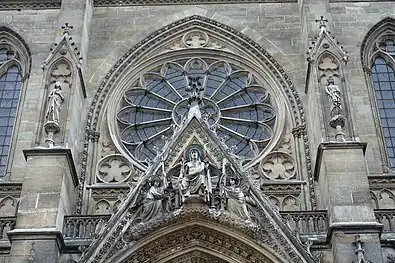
(385, 26)
(369, 52)
(213, 241)
(154, 47)
(22, 60)
(8, 36)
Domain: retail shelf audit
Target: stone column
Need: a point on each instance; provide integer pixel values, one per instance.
(343, 185)
(48, 194)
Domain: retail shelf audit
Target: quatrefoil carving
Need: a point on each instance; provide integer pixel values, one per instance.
(114, 168)
(278, 166)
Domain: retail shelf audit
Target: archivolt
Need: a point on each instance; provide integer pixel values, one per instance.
(207, 239)
(148, 49)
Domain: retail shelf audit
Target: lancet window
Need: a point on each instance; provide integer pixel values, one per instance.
(10, 89)
(383, 79)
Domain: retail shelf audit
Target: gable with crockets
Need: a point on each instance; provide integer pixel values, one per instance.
(194, 178)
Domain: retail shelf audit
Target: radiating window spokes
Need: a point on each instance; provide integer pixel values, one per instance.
(232, 100)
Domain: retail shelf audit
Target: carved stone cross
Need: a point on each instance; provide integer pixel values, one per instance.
(322, 24)
(66, 28)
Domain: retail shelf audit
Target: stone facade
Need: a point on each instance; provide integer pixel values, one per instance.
(304, 152)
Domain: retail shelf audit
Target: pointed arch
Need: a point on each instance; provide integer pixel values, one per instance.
(174, 241)
(378, 60)
(15, 66)
(160, 47)
(385, 26)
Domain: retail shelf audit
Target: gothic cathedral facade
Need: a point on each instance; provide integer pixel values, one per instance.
(206, 131)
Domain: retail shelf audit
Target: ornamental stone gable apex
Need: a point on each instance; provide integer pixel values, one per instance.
(195, 200)
(64, 48)
(325, 42)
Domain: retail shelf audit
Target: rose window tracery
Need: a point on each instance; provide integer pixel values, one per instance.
(230, 99)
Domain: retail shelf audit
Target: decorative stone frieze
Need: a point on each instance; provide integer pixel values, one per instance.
(30, 4)
(105, 3)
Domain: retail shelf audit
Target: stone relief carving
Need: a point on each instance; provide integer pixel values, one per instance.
(278, 166)
(107, 148)
(8, 206)
(102, 207)
(115, 168)
(195, 39)
(290, 203)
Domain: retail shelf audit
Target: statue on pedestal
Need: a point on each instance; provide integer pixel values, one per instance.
(52, 116)
(337, 119)
(55, 99)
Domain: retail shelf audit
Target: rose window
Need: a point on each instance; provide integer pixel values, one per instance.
(230, 99)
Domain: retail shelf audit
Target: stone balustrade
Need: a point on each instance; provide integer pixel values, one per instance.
(387, 218)
(307, 222)
(83, 227)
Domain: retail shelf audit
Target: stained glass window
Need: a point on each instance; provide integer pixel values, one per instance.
(238, 106)
(383, 78)
(10, 87)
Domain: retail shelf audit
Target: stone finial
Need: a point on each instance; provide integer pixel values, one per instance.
(322, 24)
(66, 28)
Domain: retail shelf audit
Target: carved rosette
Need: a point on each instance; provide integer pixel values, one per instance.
(278, 166)
(114, 168)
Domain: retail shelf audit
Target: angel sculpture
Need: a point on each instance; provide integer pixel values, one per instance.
(235, 199)
(153, 202)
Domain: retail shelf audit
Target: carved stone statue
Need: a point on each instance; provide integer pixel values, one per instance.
(55, 99)
(153, 203)
(337, 119)
(195, 175)
(333, 91)
(236, 200)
